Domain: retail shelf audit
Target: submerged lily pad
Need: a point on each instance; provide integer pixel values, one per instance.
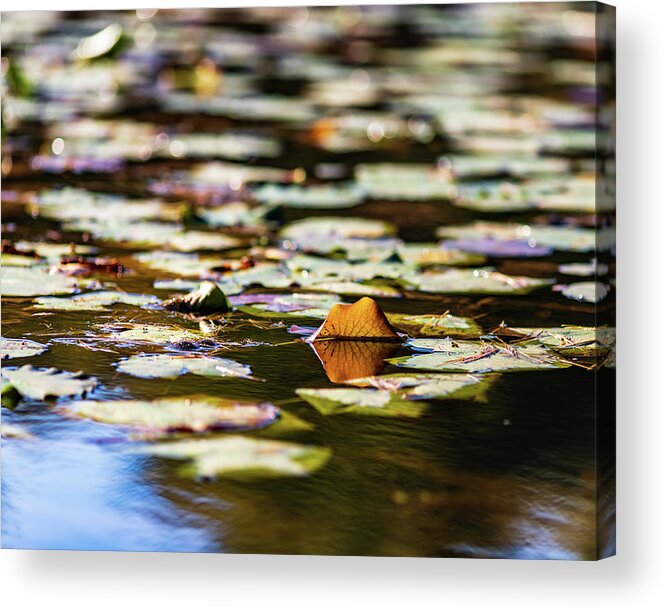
(188, 414)
(38, 384)
(419, 386)
(20, 348)
(170, 366)
(449, 355)
(95, 301)
(34, 281)
(242, 457)
(474, 281)
(432, 325)
(360, 401)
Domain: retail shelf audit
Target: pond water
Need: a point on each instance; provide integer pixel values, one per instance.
(513, 475)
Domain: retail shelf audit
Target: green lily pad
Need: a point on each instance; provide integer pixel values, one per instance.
(435, 254)
(243, 457)
(473, 281)
(353, 288)
(573, 239)
(148, 334)
(234, 214)
(170, 366)
(35, 281)
(571, 341)
(450, 355)
(304, 267)
(95, 301)
(206, 299)
(186, 264)
(297, 305)
(589, 292)
(419, 386)
(316, 196)
(360, 401)
(335, 228)
(38, 384)
(395, 181)
(428, 325)
(182, 414)
(20, 348)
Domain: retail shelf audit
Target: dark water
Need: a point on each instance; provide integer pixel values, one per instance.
(513, 477)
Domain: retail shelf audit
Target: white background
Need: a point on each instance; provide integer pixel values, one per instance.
(102, 581)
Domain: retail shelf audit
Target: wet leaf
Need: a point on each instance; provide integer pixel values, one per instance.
(182, 414)
(170, 366)
(497, 247)
(149, 334)
(20, 348)
(297, 305)
(206, 299)
(449, 355)
(41, 383)
(95, 301)
(570, 341)
(363, 320)
(360, 401)
(242, 457)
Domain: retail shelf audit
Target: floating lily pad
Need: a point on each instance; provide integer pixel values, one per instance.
(183, 414)
(572, 239)
(34, 281)
(474, 281)
(149, 334)
(95, 301)
(316, 196)
(186, 264)
(235, 214)
(418, 386)
(297, 305)
(449, 355)
(427, 325)
(206, 299)
(20, 348)
(332, 228)
(589, 292)
(394, 181)
(242, 457)
(437, 254)
(170, 366)
(571, 341)
(306, 268)
(360, 401)
(593, 267)
(39, 384)
(353, 288)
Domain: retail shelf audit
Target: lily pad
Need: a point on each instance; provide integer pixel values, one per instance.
(474, 281)
(419, 386)
(449, 355)
(149, 334)
(360, 401)
(297, 305)
(14, 431)
(589, 292)
(242, 457)
(573, 239)
(432, 325)
(20, 348)
(183, 414)
(170, 366)
(95, 301)
(39, 384)
(593, 267)
(437, 254)
(498, 247)
(34, 281)
(316, 196)
(334, 229)
(571, 341)
(353, 288)
(394, 181)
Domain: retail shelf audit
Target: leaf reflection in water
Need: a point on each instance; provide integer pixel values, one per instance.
(344, 360)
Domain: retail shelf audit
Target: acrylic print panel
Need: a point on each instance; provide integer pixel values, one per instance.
(332, 281)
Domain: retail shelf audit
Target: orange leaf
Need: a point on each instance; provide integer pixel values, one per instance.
(344, 360)
(361, 321)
